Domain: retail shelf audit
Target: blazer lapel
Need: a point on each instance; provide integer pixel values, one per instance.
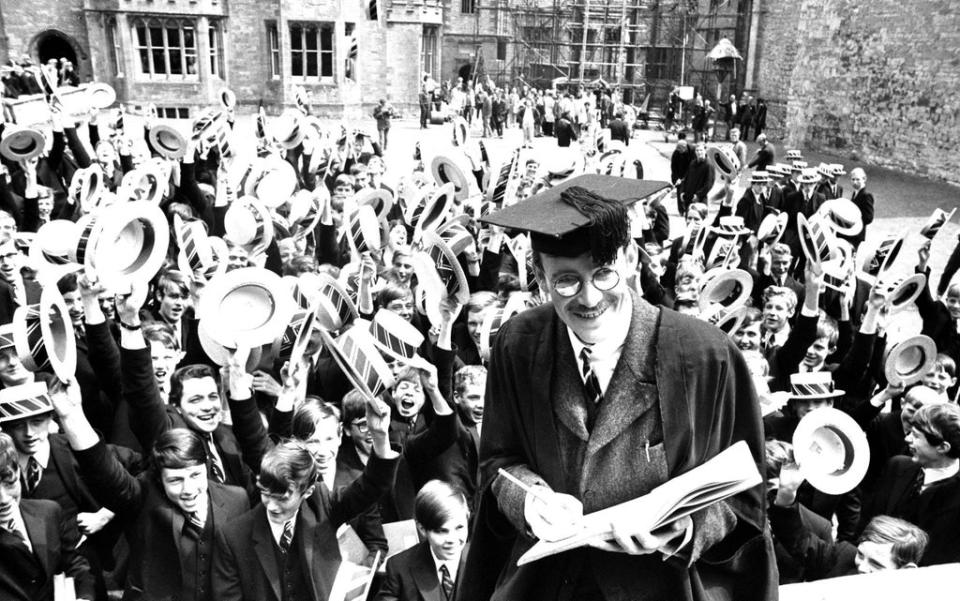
(263, 544)
(620, 406)
(569, 403)
(425, 575)
(37, 531)
(309, 541)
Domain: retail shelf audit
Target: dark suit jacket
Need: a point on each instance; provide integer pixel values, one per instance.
(54, 538)
(764, 280)
(153, 525)
(936, 510)
(458, 464)
(864, 202)
(619, 131)
(368, 525)
(412, 576)
(244, 564)
(527, 418)
(149, 417)
(795, 204)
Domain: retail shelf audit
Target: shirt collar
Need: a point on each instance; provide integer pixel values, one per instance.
(936, 474)
(452, 565)
(42, 456)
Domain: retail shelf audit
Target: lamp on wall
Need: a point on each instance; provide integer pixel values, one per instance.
(724, 56)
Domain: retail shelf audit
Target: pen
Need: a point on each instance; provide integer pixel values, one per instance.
(528, 489)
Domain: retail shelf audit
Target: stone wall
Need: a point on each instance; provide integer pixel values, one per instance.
(874, 80)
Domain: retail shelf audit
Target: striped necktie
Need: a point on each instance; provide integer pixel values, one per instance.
(446, 583)
(590, 381)
(216, 466)
(33, 474)
(194, 525)
(286, 537)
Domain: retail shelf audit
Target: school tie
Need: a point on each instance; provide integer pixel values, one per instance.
(194, 525)
(590, 381)
(33, 474)
(286, 537)
(446, 583)
(216, 466)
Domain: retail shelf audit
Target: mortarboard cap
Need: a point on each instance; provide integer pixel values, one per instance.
(557, 224)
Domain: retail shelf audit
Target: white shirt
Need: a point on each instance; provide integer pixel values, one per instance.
(277, 529)
(202, 504)
(42, 456)
(452, 566)
(932, 475)
(605, 354)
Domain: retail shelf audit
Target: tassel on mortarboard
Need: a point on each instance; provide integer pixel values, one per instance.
(608, 226)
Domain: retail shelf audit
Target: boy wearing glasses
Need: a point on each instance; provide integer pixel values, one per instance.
(596, 398)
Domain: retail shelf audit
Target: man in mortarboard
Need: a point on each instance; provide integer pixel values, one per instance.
(596, 398)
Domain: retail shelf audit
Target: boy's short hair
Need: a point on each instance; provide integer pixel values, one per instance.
(172, 277)
(480, 300)
(309, 413)
(9, 458)
(390, 293)
(827, 328)
(436, 504)
(287, 464)
(178, 448)
(751, 316)
(908, 541)
(700, 208)
(946, 363)
(788, 295)
(189, 372)
(940, 423)
(781, 249)
(68, 283)
(354, 406)
(157, 331)
(467, 375)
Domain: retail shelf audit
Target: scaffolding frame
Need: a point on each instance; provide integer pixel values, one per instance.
(641, 47)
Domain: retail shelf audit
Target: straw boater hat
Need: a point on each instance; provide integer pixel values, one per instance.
(808, 176)
(21, 143)
(772, 227)
(43, 335)
(433, 211)
(909, 361)
(729, 288)
(379, 198)
(450, 168)
(396, 338)
(272, 180)
(101, 95)
(343, 303)
(169, 142)
(89, 182)
(123, 243)
(901, 293)
(508, 170)
(249, 306)
(816, 239)
(248, 224)
(831, 450)
(794, 155)
(355, 352)
(844, 215)
(732, 226)
(23, 401)
(494, 320)
(363, 230)
(439, 274)
(145, 183)
(937, 220)
(725, 161)
(880, 258)
(288, 129)
(759, 177)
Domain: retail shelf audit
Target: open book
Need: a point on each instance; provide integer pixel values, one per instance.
(730, 472)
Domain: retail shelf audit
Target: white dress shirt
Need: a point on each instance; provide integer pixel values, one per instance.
(605, 354)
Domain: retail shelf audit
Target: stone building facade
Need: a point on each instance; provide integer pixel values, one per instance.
(878, 80)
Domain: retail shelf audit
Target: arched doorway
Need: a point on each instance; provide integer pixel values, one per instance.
(52, 44)
(465, 72)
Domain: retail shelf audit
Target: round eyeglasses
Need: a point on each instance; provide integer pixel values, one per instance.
(603, 279)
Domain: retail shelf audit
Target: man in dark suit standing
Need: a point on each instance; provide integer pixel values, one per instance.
(595, 398)
(864, 202)
(804, 201)
(286, 547)
(697, 181)
(36, 540)
(619, 129)
(429, 570)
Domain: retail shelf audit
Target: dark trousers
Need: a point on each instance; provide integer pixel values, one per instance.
(424, 115)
